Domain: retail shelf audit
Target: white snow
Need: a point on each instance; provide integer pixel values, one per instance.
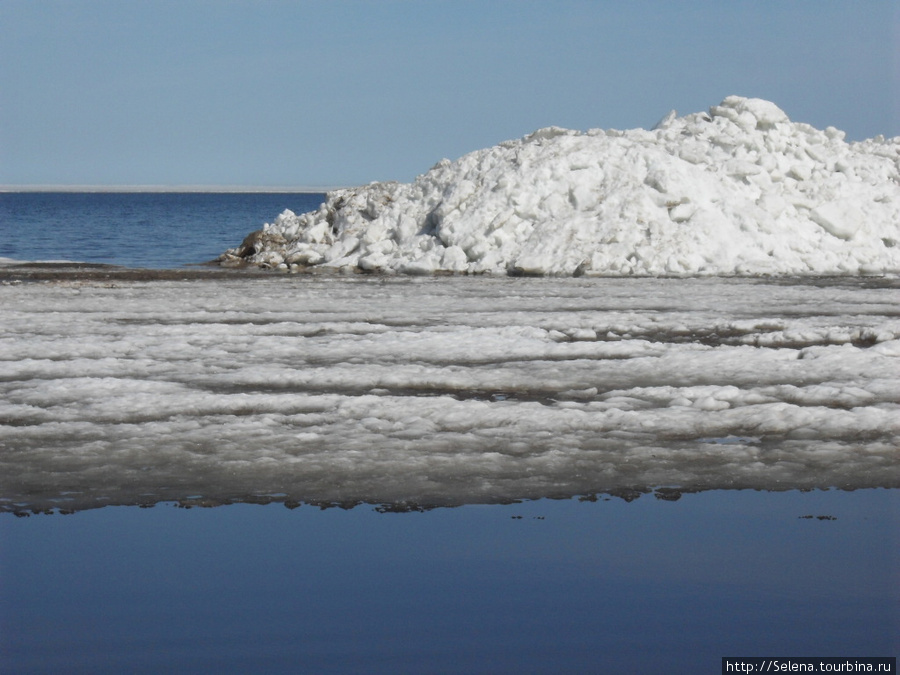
(741, 190)
(437, 391)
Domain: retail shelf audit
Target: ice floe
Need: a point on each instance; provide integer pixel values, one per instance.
(740, 190)
(419, 391)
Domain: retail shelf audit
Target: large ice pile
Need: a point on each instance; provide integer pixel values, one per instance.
(741, 190)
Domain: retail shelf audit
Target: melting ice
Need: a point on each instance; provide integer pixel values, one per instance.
(420, 391)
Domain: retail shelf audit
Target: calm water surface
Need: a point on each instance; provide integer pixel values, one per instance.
(144, 229)
(540, 587)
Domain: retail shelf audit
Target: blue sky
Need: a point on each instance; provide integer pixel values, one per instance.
(255, 93)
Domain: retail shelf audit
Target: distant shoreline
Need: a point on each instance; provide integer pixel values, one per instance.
(217, 189)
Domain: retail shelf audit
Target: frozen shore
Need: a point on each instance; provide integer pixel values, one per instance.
(410, 392)
(740, 190)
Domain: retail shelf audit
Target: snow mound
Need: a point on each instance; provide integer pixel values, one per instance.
(741, 190)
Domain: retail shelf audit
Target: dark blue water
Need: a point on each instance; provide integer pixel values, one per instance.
(648, 586)
(145, 229)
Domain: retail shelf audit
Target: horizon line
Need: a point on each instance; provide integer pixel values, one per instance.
(316, 189)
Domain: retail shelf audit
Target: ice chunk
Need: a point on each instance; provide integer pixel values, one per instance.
(840, 219)
(765, 113)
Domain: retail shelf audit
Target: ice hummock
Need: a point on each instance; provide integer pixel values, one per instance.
(740, 190)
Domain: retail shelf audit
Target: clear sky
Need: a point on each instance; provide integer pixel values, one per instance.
(341, 92)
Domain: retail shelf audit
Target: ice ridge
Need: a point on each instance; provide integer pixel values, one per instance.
(740, 190)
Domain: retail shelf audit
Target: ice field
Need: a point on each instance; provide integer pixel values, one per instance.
(411, 392)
